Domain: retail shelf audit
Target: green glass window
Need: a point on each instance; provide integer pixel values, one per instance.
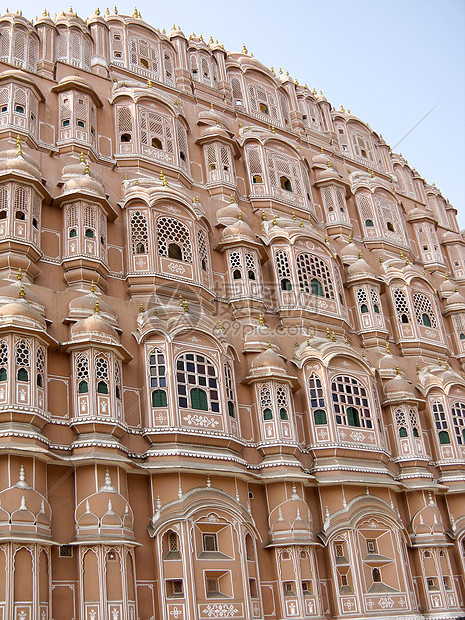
(267, 414)
(102, 387)
(199, 399)
(159, 398)
(353, 418)
(283, 414)
(402, 432)
(444, 437)
(316, 287)
(83, 387)
(426, 320)
(23, 375)
(231, 409)
(319, 415)
(3, 375)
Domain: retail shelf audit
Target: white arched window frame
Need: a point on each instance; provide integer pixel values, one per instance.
(157, 379)
(263, 103)
(408, 431)
(203, 69)
(458, 421)
(183, 147)
(310, 114)
(284, 105)
(19, 47)
(363, 148)
(171, 232)
(430, 249)
(381, 218)
(244, 273)
(335, 204)
(319, 415)
(276, 412)
(74, 48)
(19, 107)
(237, 90)
(285, 177)
(369, 306)
(314, 274)
(126, 139)
(117, 47)
(257, 179)
(77, 118)
(197, 383)
(219, 162)
(156, 132)
(144, 57)
(424, 311)
(85, 230)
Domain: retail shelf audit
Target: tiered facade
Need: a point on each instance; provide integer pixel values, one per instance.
(232, 342)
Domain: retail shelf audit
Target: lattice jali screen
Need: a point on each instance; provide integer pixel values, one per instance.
(169, 231)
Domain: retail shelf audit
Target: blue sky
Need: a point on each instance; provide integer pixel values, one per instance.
(389, 61)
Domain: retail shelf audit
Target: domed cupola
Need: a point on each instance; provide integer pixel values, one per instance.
(228, 214)
(104, 516)
(84, 306)
(446, 288)
(361, 271)
(333, 193)
(398, 389)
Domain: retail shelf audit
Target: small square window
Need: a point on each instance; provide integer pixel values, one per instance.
(209, 542)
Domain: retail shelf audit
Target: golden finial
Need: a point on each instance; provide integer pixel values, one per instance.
(326, 238)
(296, 82)
(155, 313)
(346, 340)
(273, 130)
(418, 367)
(296, 344)
(372, 174)
(245, 50)
(397, 370)
(447, 366)
(407, 262)
(275, 223)
(261, 320)
(348, 111)
(135, 14)
(363, 353)
(294, 217)
(181, 302)
(314, 92)
(211, 106)
(165, 182)
(161, 175)
(200, 37)
(360, 255)
(221, 326)
(239, 216)
(402, 255)
(149, 83)
(20, 275)
(342, 108)
(447, 276)
(115, 10)
(232, 199)
(333, 337)
(87, 170)
(92, 287)
(97, 307)
(21, 291)
(439, 362)
(388, 349)
(81, 158)
(301, 223)
(18, 144)
(308, 341)
(269, 344)
(350, 238)
(210, 42)
(328, 335)
(328, 164)
(280, 71)
(137, 181)
(273, 71)
(97, 11)
(141, 308)
(380, 259)
(107, 11)
(264, 216)
(186, 307)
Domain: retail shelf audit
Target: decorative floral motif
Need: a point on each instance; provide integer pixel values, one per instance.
(357, 436)
(220, 611)
(386, 602)
(197, 420)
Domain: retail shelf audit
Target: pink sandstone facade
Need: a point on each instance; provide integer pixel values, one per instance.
(232, 338)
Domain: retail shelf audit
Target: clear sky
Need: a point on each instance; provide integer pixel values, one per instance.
(389, 61)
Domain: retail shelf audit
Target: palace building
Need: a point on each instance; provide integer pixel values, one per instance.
(232, 342)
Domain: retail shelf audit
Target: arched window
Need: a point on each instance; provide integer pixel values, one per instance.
(125, 124)
(40, 367)
(230, 392)
(403, 432)
(257, 178)
(319, 416)
(158, 383)
(266, 403)
(264, 108)
(350, 402)
(440, 421)
(314, 276)
(197, 383)
(117, 381)
(157, 144)
(3, 360)
(285, 183)
(102, 374)
(21, 202)
(282, 402)
(174, 251)
(203, 250)
(390, 226)
(316, 287)
(376, 574)
(364, 309)
(458, 419)
(23, 355)
(369, 223)
(171, 231)
(139, 233)
(237, 274)
(424, 310)
(283, 270)
(401, 306)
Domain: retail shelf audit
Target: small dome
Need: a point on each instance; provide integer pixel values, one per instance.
(239, 229)
(387, 362)
(228, 214)
(449, 237)
(14, 160)
(12, 292)
(21, 309)
(94, 325)
(360, 268)
(447, 288)
(328, 174)
(350, 253)
(320, 160)
(455, 298)
(270, 361)
(398, 386)
(84, 306)
(81, 181)
(216, 131)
